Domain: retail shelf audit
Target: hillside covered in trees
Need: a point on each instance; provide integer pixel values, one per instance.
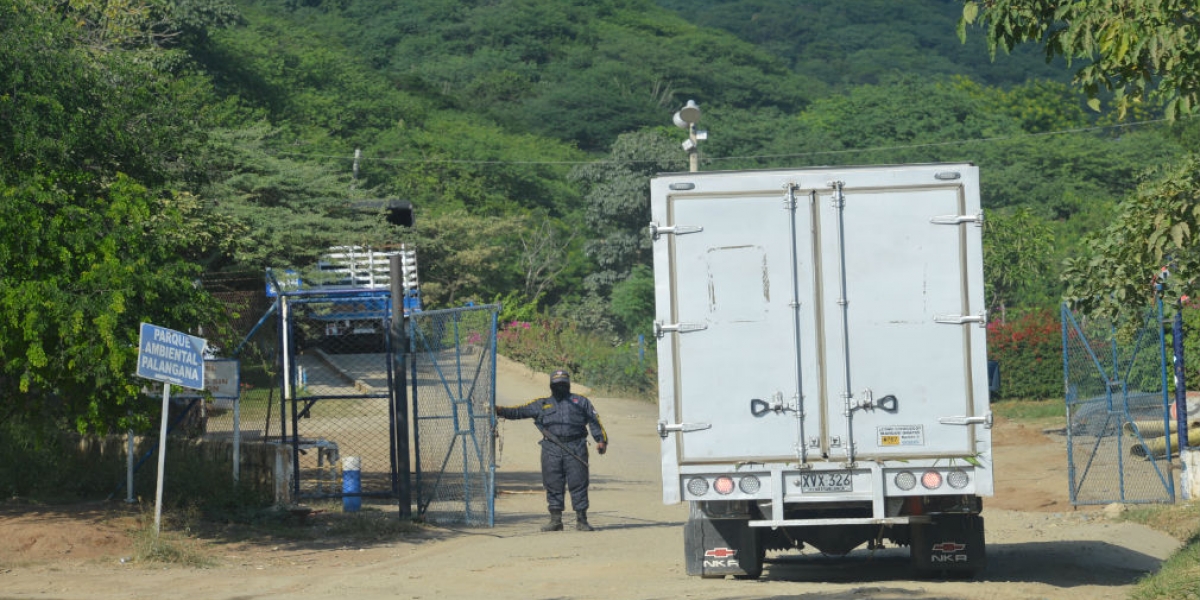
(150, 143)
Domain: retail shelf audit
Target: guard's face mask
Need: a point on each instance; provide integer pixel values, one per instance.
(560, 390)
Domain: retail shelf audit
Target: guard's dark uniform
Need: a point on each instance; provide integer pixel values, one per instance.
(568, 419)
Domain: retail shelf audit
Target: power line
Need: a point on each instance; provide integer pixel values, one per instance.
(448, 161)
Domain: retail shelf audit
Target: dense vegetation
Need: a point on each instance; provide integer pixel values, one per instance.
(148, 143)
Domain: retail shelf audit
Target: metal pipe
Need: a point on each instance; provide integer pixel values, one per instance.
(790, 206)
(839, 204)
(694, 153)
(1181, 415)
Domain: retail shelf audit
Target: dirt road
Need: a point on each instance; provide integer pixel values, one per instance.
(1043, 550)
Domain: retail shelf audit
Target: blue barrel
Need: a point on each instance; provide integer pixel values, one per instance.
(351, 483)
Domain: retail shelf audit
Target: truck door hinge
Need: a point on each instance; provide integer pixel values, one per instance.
(664, 429)
(985, 420)
(656, 231)
(980, 318)
(957, 219)
(661, 329)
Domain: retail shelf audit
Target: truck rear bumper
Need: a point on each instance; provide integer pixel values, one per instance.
(906, 520)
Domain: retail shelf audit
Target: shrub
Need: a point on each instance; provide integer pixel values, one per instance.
(549, 343)
(1029, 349)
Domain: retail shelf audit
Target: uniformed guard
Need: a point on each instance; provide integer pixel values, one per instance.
(563, 420)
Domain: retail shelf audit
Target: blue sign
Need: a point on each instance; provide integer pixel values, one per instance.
(170, 356)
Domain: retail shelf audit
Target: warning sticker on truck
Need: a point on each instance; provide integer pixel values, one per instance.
(901, 435)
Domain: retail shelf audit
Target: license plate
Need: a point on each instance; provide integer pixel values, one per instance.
(817, 483)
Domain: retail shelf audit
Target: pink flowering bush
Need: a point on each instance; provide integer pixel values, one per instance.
(1029, 349)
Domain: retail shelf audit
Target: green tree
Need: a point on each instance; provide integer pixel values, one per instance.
(78, 275)
(855, 42)
(544, 257)
(1154, 233)
(1016, 250)
(633, 301)
(1144, 51)
(289, 211)
(94, 235)
(617, 197)
(463, 257)
(616, 194)
(1141, 50)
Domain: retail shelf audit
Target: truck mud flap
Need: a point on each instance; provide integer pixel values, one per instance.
(952, 544)
(720, 547)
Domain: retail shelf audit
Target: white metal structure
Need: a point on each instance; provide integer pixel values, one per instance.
(355, 267)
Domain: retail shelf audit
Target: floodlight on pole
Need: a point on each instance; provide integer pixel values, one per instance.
(686, 118)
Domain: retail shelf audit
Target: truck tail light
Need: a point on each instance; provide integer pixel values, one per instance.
(958, 479)
(750, 484)
(932, 480)
(697, 486)
(723, 485)
(905, 480)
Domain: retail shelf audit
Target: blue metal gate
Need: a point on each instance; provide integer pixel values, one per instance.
(1117, 400)
(340, 375)
(453, 375)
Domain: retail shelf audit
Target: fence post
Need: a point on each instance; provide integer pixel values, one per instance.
(399, 326)
(1180, 384)
(1189, 478)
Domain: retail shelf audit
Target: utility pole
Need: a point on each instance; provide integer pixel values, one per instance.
(686, 118)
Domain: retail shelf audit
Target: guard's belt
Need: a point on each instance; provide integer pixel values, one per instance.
(571, 438)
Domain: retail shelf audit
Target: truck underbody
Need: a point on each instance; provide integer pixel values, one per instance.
(944, 534)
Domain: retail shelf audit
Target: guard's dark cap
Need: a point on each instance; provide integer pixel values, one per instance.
(560, 376)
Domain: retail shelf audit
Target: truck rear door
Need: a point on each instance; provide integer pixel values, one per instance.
(730, 324)
(904, 335)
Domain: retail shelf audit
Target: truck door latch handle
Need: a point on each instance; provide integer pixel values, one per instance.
(664, 429)
(957, 219)
(981, 319)
(985, 420)
(760, 407)
(657, 231)
(661, 329)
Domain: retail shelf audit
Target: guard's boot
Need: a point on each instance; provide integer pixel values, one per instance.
(555, 523)
(581, 523)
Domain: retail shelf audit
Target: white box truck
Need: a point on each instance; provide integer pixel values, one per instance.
(822, 362)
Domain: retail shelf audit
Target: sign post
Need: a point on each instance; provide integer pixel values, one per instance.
(175, 358)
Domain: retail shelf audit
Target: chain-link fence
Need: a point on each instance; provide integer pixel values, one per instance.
(454, 395)
(338, 381)
(1116, 395)
(317, 371)
(253, 320)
